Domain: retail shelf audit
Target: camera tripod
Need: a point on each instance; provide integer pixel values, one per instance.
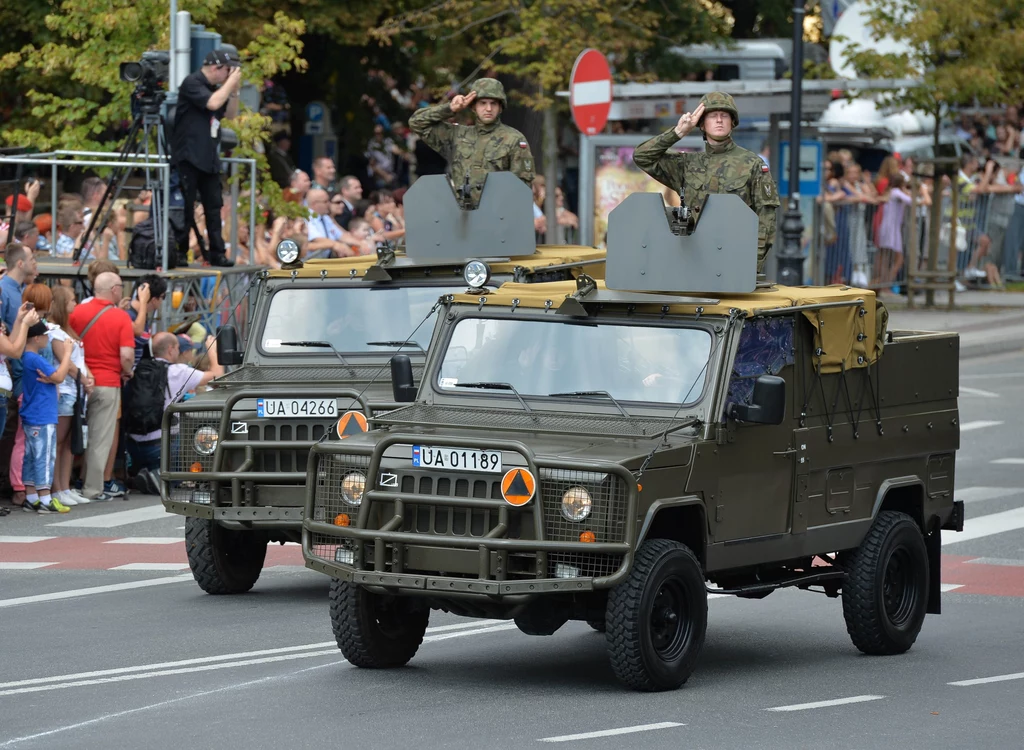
(147, 128)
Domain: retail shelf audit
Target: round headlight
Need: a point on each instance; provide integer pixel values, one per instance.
(476, 273)
(287, 251)
(576, 504)
(205, 441)
(352, 486)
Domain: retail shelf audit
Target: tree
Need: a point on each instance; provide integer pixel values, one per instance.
(74, 98)
(537, 41)
(963, 52)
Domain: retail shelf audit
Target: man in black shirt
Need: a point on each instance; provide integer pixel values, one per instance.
(206, 96)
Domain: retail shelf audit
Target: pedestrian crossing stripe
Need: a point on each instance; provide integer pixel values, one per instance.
(351, 423)
(517, 486)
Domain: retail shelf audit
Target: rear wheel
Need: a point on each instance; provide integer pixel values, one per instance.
(223, 561)
(885, 592)
(375, 631)
(657, 617)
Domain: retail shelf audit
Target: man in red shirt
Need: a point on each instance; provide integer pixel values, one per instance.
(109, 343)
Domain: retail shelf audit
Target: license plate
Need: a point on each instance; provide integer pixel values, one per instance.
(282, 408)
(458, 459)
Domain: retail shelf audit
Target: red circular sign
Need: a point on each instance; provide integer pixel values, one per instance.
(590, 92)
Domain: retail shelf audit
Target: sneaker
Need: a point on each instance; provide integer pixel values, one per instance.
(103, 497)
(78, 497)
(221, 261)
(65, 497)
(55, 506)
(113, 488)
(31, 507)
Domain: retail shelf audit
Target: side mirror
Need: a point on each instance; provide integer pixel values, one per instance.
(401, 379)
(227, 346)
(767, 404)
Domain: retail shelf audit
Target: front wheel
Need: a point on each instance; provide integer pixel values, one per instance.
(223, 561)
(657, 618)
(885, 592)
(374, 631)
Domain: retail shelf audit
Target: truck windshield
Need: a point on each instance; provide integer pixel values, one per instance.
(350, 318)
(540, 358)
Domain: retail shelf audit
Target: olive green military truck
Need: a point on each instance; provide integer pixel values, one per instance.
(322, 333)
(613, 455)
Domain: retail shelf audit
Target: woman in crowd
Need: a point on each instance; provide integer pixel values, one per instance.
(385, 217)
(889, 260)
(61, 335)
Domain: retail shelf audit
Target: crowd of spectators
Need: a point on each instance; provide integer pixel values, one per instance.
(64, 364)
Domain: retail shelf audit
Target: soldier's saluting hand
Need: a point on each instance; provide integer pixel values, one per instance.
(474, 150)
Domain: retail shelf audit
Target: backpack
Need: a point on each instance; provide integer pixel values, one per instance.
(143, 410)
(142, 248)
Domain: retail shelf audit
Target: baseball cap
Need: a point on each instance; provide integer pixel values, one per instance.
(24, 204)
(185, 343)
(223, 57)
(39, 329)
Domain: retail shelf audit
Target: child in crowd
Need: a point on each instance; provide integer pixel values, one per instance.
(39, 420)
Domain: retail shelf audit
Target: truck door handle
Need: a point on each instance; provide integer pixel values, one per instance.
(789, 452)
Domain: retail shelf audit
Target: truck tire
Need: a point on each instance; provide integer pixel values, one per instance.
(885, 591)
(223, 561)
(657, 618)
(373, 631)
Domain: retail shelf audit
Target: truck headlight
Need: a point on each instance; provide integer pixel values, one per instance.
(287, 251)
(576, 504)
(205, 441)
(476, 274)
(352, 486)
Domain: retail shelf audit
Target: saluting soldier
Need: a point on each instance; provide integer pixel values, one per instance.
(723, 167)
(474, 150)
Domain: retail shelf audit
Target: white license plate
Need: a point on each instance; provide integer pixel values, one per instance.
(281, 408)
(459, 459)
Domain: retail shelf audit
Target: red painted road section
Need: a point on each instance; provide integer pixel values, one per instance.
(93, 553)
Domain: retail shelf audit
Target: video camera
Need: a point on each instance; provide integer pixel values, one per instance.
(149, 75)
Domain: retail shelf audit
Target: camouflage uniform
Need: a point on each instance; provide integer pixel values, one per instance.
(475, 150)
(720, 168)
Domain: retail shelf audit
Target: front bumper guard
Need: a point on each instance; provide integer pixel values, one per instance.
(487, 581)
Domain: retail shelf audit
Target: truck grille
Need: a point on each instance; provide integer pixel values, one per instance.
(188, 423)
(284, 460)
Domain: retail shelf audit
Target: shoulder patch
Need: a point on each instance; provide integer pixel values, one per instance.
(764, 168)
(523, 144)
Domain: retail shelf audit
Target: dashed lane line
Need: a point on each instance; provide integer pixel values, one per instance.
(146, 540)
(964, 390)
(978, 425)
(982, 526)
(828, 704)
(118, 518)
(151, 566)
(1009, 461)
(24, 539)
(978, 494)
(988, 680)
(75, 593)
(25, 565)
(613, 732)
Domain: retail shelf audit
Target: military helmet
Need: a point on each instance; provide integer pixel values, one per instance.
(718, 101)
(490, 88)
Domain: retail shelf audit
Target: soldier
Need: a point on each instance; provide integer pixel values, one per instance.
(723, 167)
(473, 151)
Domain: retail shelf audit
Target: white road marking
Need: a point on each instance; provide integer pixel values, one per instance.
(146, 540)
(992, 376)
(975, 494)
(613, 732)
(308, 652)
(151, 566)
(978, 424)
(1010, 461)
(119, 518)
(987, 680)
(977, 392)
(947, 587)
(982, 526)
(75, 593)
(826, 704)
(468, 625)
(24, 565)
(24, 539)
(1001, 561)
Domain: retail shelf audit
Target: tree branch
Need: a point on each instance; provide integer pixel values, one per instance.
(471, 24)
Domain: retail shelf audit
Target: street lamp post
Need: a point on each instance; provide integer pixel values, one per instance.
(790, 259)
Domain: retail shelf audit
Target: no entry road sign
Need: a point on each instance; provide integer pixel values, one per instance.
(590, 92)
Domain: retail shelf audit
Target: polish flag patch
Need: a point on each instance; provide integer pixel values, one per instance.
(523, 144)
(764, 168)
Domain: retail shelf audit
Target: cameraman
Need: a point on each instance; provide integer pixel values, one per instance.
(195, 142)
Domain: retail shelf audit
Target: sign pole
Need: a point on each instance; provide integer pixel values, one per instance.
(585, 203)
(790, 259)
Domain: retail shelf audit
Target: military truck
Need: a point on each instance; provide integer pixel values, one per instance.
(612, 452)
(316, 365)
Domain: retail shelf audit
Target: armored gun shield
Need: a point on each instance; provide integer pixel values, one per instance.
(438, 229)
(719, 256)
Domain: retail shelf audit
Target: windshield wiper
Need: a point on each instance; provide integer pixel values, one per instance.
(497, 387)
(323, 345)
(396, 344)
(602, 394)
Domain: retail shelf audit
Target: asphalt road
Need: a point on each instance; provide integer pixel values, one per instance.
(108, 642)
